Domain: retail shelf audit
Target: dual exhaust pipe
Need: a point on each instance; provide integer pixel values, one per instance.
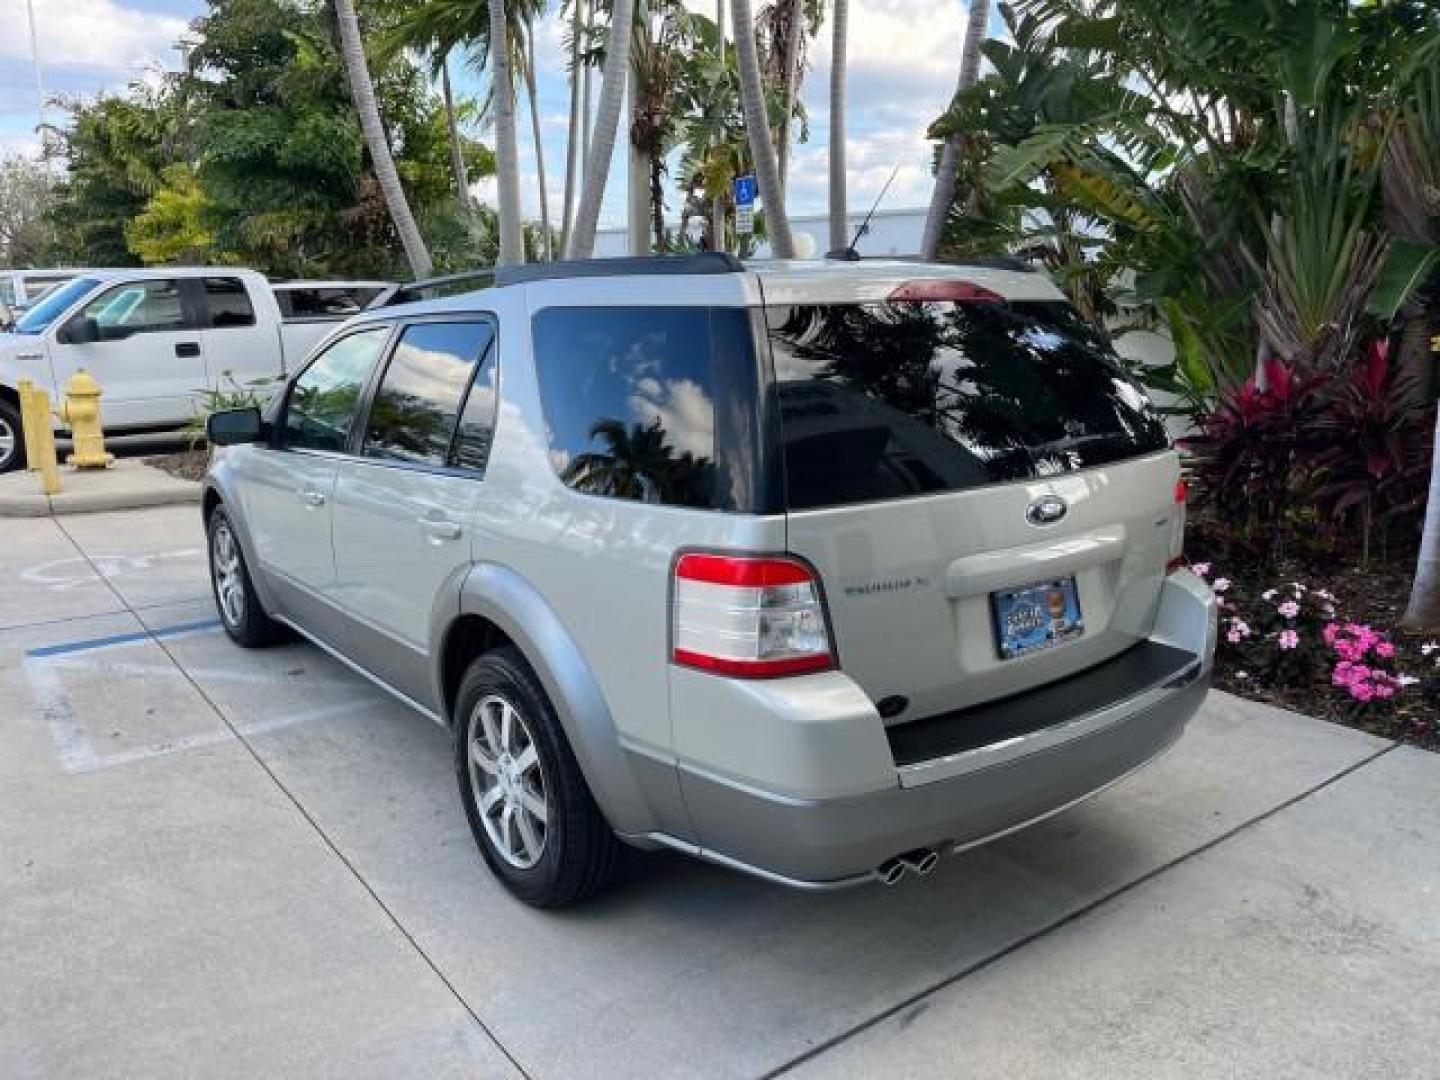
(921, 862)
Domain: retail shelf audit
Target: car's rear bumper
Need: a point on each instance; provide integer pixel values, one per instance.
(927, 798)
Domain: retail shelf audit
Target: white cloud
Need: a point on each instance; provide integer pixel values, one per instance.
(90, 33)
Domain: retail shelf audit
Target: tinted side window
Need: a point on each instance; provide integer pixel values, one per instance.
(327, 303)
(416, 408)
(325, 399)
(882, 401)
(477, 422)
(141, 307)
(227, 303)
(655, 404)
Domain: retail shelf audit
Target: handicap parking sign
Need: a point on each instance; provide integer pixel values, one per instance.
(745, 191)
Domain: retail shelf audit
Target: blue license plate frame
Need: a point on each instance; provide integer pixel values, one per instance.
(1036, 617)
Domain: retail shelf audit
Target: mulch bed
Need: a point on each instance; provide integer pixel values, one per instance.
(187, 465)
(1375, 594)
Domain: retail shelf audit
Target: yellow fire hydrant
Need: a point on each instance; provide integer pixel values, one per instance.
(81, 411)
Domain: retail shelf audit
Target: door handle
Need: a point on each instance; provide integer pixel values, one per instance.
(440, 530)
(312, 498)
(187, 348)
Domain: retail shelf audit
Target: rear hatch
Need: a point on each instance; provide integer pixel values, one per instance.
(988, 497)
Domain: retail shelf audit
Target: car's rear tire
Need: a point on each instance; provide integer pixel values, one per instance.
(512, 760)
(12, 438)
(241, 612)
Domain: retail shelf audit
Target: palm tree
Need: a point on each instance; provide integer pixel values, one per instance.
(945, 176)
(452, 126)
(840, 45)
(762, 149)
(717, 203)
(507, 158)
(607, 121)
(527, 60)
(573, 150)
(363, 91)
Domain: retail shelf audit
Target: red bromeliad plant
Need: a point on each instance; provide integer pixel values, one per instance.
(1250, 458)
(1372, 462)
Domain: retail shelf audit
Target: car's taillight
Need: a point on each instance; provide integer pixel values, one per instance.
(1177, 528)
(940, 289)
(749, 617)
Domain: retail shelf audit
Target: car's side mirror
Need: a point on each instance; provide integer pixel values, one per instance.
(81, 330)
(231, 427)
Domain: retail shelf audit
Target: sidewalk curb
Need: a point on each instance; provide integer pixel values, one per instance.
(129, 485)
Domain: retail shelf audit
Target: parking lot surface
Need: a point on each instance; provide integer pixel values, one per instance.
(225, 863)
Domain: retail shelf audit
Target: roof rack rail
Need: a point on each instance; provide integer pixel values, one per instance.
(992, 262)
(441, 286)
(707, 262)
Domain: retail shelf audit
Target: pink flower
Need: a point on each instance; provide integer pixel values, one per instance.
(1220, 584)
(1329, 633)
(1234, 637)
(1289, 609)
(1385, 650)
(1289, 639)
(1201, 568)
(1362, 691)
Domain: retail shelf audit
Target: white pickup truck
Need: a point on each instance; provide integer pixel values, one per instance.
(155, 340)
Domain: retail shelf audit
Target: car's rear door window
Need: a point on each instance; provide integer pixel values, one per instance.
(651, 404)
(886, 400)
(227, 304)
(423, 393)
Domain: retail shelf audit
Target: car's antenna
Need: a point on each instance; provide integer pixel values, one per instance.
(849, 254)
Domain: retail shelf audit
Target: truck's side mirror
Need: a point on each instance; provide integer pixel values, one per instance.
(81, 330)
(231, 427)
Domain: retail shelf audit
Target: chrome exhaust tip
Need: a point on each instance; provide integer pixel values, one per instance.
(889, 872)
(921, 861)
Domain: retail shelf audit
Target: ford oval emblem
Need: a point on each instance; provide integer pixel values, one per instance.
(1046, 510)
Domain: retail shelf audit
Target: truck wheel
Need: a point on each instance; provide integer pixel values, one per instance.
(240, 611)
(12, 440)
(528, 805)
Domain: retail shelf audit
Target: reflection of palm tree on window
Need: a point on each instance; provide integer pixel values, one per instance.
(639, 464)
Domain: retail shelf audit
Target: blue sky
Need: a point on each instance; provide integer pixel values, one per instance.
(903, 58)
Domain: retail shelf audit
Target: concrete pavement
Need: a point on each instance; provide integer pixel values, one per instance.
(216, 862)
(126, 485)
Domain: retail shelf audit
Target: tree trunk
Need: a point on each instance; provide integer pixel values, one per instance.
(717, 204)
(587, 113)
(457, 148)
(1423, 611)
(762, 150)
(946, 175)
(839, 202)
(507, 158)
(637, 175)
(547, 244)
(791, 63)
(363, 91)
(607, 121)
(657, 200)
(573, 149)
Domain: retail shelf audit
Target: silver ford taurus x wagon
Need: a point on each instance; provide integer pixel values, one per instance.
(814, 570)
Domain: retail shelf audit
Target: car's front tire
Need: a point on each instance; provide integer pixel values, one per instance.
(241, 613)
(528, 804)
(12, 438)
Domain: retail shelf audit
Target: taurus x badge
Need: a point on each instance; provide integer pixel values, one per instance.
(1046, 510)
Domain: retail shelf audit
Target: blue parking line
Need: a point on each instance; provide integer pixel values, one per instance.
(122, 639)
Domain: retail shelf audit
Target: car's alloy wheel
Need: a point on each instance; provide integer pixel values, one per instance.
(12, 445)
(508, 782)
(229, 580)
(527, 802)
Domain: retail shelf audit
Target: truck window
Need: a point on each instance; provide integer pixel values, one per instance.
(40, 317)
(328, 302)
(138, 307)
(227, 303)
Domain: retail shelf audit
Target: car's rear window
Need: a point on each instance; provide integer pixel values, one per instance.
(887, 400)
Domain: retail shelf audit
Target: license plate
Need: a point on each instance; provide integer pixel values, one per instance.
(1036, 617)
